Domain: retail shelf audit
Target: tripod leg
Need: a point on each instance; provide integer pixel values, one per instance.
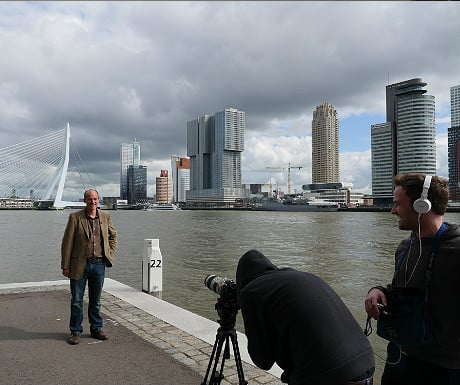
(215, 379)
(239, 364)
(224, 356)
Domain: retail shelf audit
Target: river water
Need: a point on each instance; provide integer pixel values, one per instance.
(352, 251)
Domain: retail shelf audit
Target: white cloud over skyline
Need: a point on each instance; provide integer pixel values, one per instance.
(124, 70)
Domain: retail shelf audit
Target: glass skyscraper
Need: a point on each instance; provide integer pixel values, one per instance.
(137, 184)
(130, 155)
(214, 146)
(407, 141)
(382, 159)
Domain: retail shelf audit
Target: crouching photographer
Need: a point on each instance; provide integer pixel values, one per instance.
(296, 319)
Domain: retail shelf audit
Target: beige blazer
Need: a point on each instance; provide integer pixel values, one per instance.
(75, 242)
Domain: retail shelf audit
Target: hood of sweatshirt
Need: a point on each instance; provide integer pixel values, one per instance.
(251, 265)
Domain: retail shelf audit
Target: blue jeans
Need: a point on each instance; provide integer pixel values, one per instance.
(94, 274)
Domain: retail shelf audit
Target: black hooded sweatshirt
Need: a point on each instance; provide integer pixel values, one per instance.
(296, 319)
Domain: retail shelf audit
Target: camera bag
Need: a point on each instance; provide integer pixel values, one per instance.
(406, 320)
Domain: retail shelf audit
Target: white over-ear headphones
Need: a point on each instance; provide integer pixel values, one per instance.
(422, 205)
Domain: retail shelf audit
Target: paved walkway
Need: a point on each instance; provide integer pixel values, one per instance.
(150, 342)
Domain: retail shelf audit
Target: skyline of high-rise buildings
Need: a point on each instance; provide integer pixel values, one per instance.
(406, 142)
(325, 144)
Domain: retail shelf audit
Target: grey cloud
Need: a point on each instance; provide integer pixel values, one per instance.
(123, 70)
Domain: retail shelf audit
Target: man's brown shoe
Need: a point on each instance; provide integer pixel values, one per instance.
(99, 335)
(74, 339)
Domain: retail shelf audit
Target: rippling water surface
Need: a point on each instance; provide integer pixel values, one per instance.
(351, 251)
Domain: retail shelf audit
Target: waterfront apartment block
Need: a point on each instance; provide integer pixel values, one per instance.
(454, 145)
(214, 146)
(325, 144)
(407, 141)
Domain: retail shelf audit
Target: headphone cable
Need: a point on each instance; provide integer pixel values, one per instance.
(406, 281)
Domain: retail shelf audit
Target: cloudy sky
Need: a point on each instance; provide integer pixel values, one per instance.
(120, 71)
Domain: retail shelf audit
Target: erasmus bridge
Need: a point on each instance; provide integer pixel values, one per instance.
(37, 169)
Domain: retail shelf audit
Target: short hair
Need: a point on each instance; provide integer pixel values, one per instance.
(438, 193)
(87, 191)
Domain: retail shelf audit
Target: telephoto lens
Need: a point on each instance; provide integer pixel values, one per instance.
(215, 283)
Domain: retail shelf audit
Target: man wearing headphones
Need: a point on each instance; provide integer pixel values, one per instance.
(420, 201)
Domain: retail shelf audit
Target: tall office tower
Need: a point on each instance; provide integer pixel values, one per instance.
(382, 158)
(411, 131)
(130, 155)
(181, 177)
(214, 145)
(454, 144)
(325, 144)
(137, 184)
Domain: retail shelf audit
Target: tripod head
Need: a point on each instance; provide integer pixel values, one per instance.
(227, 312)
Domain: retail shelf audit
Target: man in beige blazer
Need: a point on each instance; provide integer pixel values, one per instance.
(88, 247)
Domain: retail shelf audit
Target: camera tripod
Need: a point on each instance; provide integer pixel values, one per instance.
(225, 333)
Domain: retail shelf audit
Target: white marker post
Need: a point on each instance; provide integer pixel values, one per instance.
(152, 268)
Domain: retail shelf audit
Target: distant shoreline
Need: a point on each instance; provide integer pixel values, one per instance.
(363, 209)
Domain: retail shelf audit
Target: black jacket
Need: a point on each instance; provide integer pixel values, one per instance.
(296, 319)
(444, 293)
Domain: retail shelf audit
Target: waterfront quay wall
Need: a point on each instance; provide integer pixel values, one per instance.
(186, 337)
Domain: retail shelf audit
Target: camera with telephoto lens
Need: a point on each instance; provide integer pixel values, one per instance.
(224, 287)
(227, 304)
(227, 308)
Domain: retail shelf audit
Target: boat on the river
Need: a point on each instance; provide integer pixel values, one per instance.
(298, 204)
(162, 206)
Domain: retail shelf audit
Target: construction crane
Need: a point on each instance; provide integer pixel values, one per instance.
(288, 167)
(270, 184)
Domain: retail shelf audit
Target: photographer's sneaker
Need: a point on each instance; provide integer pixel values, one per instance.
(74, 339)
(99, 335)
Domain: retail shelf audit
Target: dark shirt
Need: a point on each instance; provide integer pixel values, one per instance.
(95, 248)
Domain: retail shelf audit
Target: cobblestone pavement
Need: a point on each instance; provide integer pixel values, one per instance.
(182, 346)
